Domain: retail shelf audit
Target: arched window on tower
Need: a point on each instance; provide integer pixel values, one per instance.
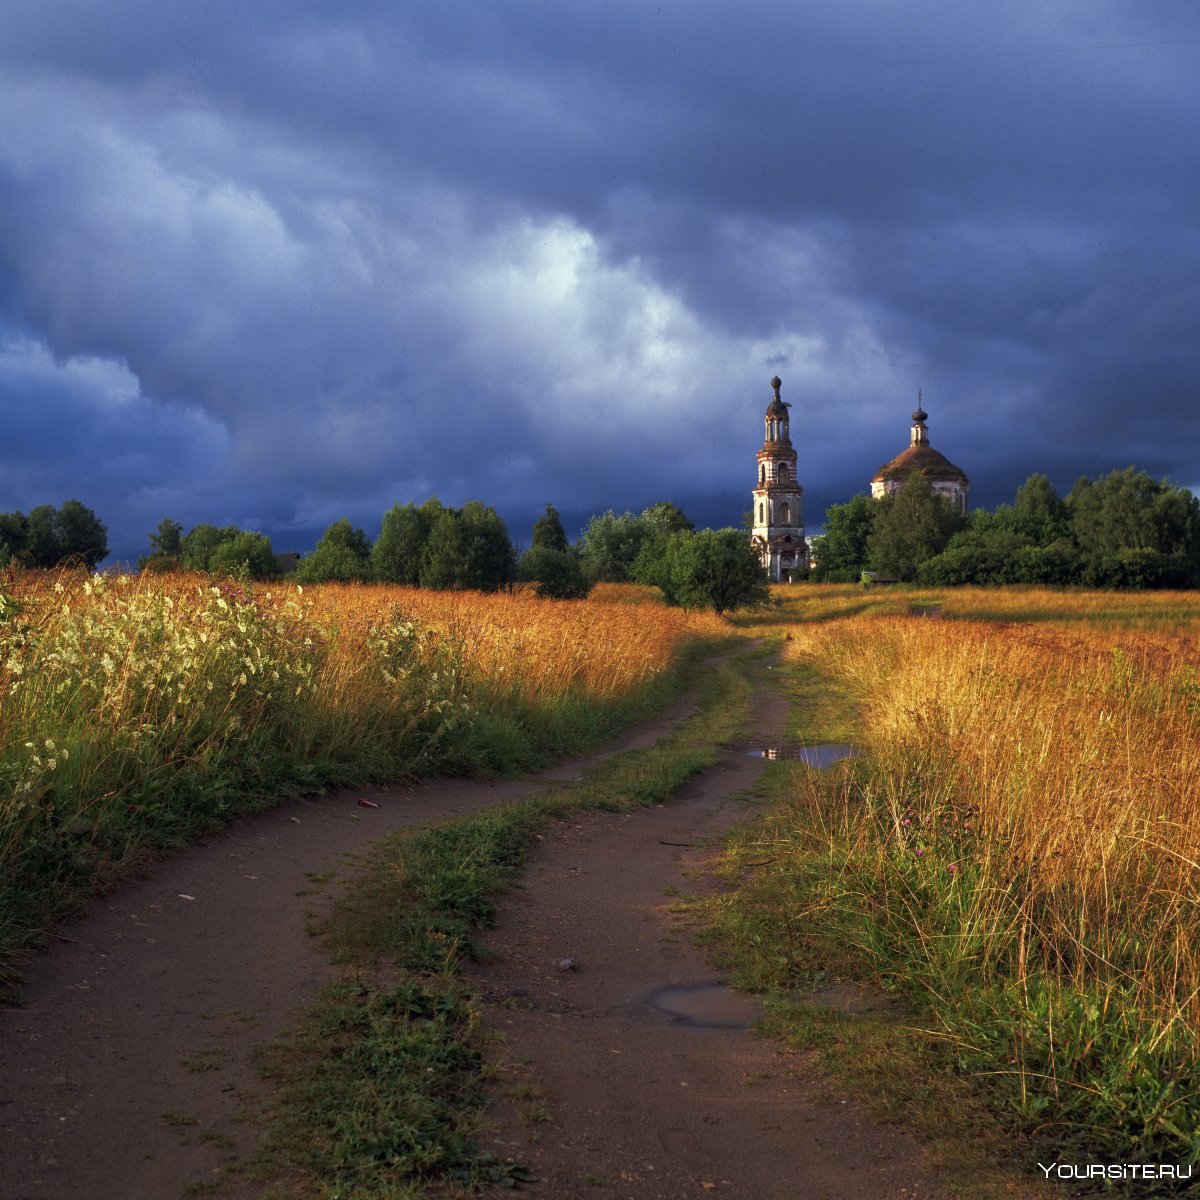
(762, 473)
(760, 514)
(785, 516)
(782, 472)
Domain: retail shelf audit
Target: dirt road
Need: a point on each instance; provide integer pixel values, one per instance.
(126, 1075)
(609, 1096)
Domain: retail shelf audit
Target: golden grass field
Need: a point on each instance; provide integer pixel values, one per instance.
(1020, 845)
(1018, 849)
(134, 711)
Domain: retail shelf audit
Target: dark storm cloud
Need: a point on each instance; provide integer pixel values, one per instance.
(531, 252)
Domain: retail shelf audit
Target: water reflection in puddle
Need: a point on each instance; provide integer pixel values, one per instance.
(814, 756)
(708, 1006)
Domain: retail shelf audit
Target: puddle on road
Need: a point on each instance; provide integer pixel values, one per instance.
(814, 756)
(707, 1006)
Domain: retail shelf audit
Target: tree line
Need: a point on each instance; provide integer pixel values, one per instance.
(429, 545)
(435, 546)
(1123, 530)
(49, 536)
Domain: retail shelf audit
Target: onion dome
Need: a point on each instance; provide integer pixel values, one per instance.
(777, 408)
(920, 456)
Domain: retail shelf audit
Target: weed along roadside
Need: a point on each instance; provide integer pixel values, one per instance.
(139, 714)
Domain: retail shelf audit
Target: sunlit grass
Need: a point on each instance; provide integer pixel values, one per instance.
(1018, 851)
(136, 711)
(1169, 612)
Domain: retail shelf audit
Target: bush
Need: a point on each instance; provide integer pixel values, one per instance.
(559, 574)
(714, 569)
(342, 555)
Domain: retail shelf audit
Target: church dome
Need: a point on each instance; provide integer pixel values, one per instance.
(777, 408)
(923, 458)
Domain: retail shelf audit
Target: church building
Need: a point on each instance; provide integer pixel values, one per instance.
(947, 479)
(777, 535)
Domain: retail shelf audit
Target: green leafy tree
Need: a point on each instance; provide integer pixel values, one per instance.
(1126, 512)
(341, 555)
(610, 544)
(616, 547)
(912, 526)
(200, 543)
(468, 548)
(167, 539)
(14, 537)
(1041, 512)
(1027, 542)
(82, 536)
(666, 517)
(987, 550)
(491, 560)
(166, 547)
(1056, 565)
(42, 546)
(841, 552)
(650, 567)
(396, 554)
(49, 536)
(548, 531)
(445, 548)
(432, 509)
(248, 553)
(558, 574)
(714, 569)
(1135, 569)
(659, 522)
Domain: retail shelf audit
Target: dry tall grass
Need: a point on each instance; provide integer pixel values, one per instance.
(1165, 612)
(1026, 826)
(135, 711)
(536, 648)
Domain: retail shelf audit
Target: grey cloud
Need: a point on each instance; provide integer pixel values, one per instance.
(536, 253)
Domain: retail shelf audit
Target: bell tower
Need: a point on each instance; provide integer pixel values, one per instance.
(778, 527)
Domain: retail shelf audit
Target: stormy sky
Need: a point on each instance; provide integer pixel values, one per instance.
(271, 263)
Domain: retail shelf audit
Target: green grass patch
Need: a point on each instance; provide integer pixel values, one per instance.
(381, 1089)
(820, 709)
